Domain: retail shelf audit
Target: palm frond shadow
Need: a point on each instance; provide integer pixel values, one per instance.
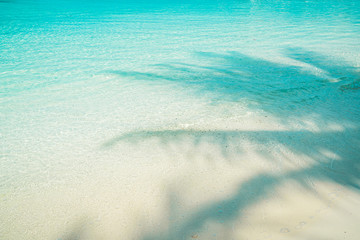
(78, 231)
(311, 144)
(317, 85)
(249, 193)
(345, 170)
(279, 89)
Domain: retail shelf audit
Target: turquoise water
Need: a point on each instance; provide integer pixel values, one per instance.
(76, 76)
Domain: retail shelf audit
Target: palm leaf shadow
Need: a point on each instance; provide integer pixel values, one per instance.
(345, 171)
(279, 89)
(317, 85)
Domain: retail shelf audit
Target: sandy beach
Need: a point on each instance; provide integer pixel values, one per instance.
(198, 183)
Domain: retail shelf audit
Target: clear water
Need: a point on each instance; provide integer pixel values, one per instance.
(77, 77)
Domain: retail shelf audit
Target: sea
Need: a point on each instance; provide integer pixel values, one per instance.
(179, 119)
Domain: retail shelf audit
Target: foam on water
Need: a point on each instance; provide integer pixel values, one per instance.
(178, 120)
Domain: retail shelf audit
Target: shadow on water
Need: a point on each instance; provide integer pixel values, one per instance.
(313, 81)
(280, 90)
(314, 85)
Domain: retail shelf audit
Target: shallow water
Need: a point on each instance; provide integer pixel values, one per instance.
(115, 117)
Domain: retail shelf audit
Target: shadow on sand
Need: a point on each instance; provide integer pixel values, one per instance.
(342, 169)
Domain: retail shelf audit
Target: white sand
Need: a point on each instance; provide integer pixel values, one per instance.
(192, 183)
